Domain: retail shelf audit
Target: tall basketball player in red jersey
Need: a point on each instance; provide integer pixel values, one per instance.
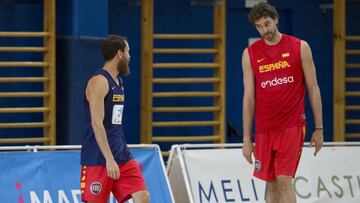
(276, 69)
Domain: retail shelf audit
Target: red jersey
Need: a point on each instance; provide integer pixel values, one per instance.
(279, 84)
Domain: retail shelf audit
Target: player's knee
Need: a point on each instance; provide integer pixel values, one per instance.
(271, 186)
(144, 196)
(284, 183)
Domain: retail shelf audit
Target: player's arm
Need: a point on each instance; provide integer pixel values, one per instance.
(314, 94)
(96, 91)
(248, 105)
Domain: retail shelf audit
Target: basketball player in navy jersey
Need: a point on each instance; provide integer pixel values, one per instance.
(107, 164)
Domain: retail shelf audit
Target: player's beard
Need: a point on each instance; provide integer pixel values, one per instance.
(269, 36)
(123, 67)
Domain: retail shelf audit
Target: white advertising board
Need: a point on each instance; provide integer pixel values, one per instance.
(222, 175)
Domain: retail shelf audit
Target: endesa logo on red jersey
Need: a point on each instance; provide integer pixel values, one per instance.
(277, 81)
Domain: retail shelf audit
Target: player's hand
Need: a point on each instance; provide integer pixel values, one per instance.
(248, 149)
(317, 137)
(113, 169)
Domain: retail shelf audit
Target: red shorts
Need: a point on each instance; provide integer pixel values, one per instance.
(96, 185)
(278, 152)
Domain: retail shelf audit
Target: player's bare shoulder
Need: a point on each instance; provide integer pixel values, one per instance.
(304, 43)
(97, 85)
(246, 59)
(306, 54)
(245, 53)
(304, 47)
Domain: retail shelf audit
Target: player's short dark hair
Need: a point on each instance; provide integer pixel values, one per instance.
(111, 44)
(260, 10)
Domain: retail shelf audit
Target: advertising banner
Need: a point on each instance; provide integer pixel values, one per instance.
(223, 175)
(332, 176)
(54, 176)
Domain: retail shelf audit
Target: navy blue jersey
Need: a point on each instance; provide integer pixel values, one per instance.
(113, 109)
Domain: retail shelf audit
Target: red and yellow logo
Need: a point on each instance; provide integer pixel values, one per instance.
(274, 66)
(83, 179)
(285, 55)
